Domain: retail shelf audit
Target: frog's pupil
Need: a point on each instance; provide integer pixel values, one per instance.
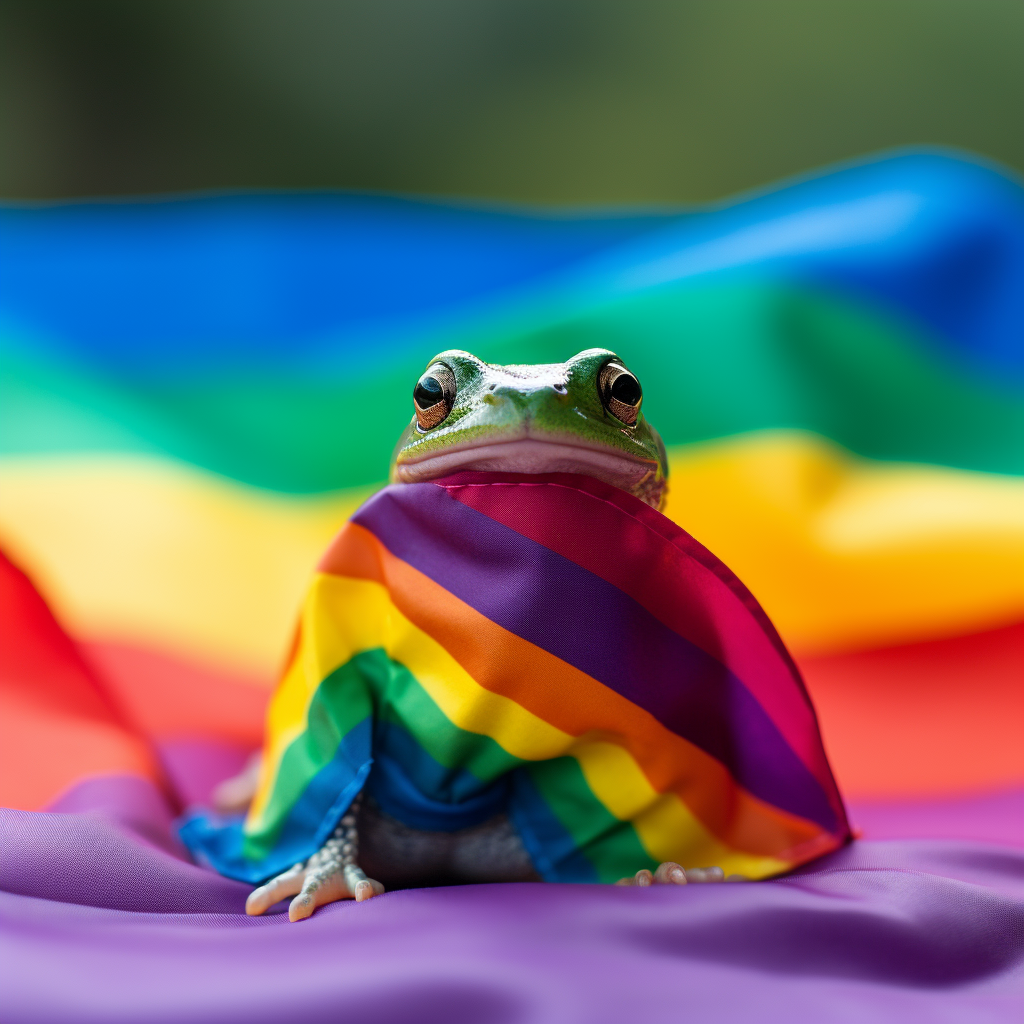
(428, 392)
(626, 389)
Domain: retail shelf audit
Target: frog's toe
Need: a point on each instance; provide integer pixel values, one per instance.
(321, 886)
(284, 885)
(329, 883)
(641, 878)
(669, 873)
(361, 887)
(705, 875)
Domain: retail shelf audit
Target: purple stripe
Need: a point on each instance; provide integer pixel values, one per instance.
(568, 611)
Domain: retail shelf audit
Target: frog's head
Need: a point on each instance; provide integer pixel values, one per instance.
(581, 416)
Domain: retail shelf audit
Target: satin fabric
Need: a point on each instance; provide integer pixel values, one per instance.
(103, 919)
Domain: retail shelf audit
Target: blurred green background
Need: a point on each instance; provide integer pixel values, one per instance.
(537, 101)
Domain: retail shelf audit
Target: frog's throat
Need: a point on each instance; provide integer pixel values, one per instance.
(529, 455)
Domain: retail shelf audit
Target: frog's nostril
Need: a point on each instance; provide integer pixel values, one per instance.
(491, 387)
(561, 389)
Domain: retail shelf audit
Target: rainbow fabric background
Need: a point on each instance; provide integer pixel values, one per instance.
(196, 393)
(547, 647)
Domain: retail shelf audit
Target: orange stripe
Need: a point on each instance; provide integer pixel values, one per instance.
(570, 700)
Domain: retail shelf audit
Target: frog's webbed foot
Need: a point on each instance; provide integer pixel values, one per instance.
(670, 873)
(330, 874)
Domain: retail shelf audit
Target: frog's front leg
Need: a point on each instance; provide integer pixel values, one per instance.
(670, 873)
(330, 874)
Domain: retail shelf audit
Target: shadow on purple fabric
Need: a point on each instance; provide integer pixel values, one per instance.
(104, 920)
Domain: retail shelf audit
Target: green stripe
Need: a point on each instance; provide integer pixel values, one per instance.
(340, 702)
(400, 698)
(611, 845)
(714, 361)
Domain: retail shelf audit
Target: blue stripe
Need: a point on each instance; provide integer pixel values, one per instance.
(551, 847)
(409, 785)
(188, 286)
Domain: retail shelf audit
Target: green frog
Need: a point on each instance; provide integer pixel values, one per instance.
(582, 416)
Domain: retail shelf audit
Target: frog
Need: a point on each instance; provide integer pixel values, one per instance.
(583, 416)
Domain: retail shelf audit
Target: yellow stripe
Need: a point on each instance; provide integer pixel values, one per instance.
(160, 554)
(843, 552)
(323, 647)
(663, 823)
(343, 616)
(847, 553)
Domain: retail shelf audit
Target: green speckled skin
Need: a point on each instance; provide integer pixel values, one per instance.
(557, 403)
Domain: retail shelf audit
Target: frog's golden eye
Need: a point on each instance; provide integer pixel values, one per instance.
(434, 396)
(620, 392)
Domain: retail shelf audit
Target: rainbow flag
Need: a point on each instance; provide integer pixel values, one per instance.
(548, 647)
(196, 394)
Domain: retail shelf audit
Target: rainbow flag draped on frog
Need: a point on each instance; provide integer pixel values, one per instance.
(552, 648)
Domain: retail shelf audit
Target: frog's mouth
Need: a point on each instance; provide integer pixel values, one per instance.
(530, 455)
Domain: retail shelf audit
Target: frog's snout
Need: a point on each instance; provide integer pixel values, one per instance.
(526, 398)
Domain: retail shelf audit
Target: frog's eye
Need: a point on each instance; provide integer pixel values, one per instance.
(620, 392)
(434, 396)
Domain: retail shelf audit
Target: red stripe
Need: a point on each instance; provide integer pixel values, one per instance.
(936, 718)
(57, 724)
(165, 696)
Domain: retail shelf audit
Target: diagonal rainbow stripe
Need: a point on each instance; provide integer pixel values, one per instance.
(552, 648)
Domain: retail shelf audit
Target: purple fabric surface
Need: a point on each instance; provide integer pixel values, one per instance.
(103, 920)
